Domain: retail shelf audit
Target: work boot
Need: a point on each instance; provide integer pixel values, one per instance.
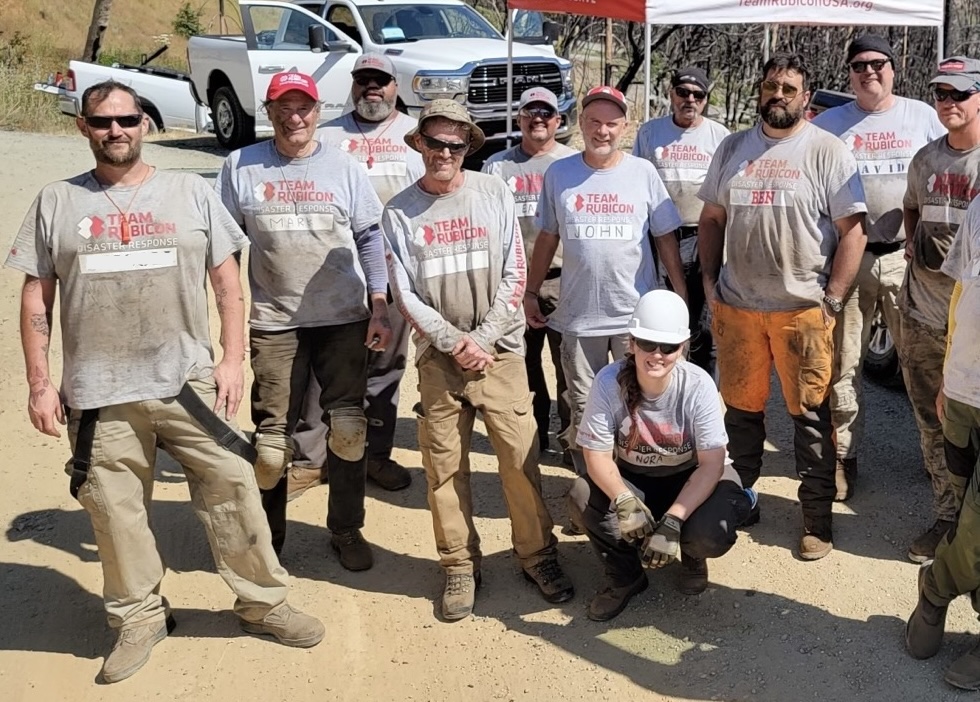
(813, 547)
(694, 575)
(290, 626)
(965, 671)
(845, 476)
(544, 441)
(925, 628)
(388, 474)
(924, 547)
(554, 585)
(459, 595)
(612, 600)
(754, 514)
(133, 647)
(355, 553)
(299, 479)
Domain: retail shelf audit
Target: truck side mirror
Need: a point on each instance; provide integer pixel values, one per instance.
(551, 31)
(317, 38)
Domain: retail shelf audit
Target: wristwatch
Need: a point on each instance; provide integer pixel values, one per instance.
(833, 303)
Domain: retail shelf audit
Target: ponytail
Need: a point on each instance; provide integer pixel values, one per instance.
(629, 386)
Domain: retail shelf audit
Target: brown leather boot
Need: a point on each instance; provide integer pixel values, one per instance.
(925, 628)
(845, 476)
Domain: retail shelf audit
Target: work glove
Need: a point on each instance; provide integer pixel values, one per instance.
(664, 545)
(635, 520)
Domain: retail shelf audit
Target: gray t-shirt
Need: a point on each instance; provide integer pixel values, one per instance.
(685, 419)
(524, 176)
(134, 316)
(380, 148)
(883, 144)
(312, 223)
(604, 219)
(782, 197)
(941, 184)
(457, 264)
(962, 369)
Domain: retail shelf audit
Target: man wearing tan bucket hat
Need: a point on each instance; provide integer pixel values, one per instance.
(458, 271)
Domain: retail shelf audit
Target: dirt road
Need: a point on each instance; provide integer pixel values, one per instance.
(770, 627)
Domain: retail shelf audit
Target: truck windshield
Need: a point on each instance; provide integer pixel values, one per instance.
(392, 24)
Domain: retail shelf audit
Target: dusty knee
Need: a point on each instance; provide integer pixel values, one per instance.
(348, 433)
(275, 451)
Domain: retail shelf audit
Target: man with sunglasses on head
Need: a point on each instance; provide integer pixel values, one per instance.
(784, 204)
(944, 177)
(319, 302)
(130, 248)
(681, 145)
(883, 131)
(373, 133)
(522, 167)
(606, 208)
(458, 271)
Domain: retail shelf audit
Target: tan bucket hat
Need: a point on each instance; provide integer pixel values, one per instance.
(451, 110)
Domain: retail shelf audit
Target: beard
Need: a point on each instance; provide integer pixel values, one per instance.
(779, 117)
(374, 111)
(115, 157)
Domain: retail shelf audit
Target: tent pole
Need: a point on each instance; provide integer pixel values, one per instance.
(510, 74)
(647, 31)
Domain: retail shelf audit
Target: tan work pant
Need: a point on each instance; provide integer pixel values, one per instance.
(119, 490)
(451, 397)
(878, 281)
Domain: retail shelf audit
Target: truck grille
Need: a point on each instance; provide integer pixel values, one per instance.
(488, 84)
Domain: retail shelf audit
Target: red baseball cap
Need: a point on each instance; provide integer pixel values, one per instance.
(605, 92)
(282, 83)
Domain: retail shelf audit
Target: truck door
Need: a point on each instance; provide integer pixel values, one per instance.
(277, 38)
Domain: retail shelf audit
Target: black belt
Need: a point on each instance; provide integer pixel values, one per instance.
(686, 232)
(553, 273)
(880, 248)
(81, 458)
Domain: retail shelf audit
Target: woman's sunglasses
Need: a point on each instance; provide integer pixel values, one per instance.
(651, 346)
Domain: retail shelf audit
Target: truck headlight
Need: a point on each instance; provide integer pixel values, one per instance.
(566, 80)
(432, 87)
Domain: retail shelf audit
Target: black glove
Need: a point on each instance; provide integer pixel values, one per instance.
(664, 545)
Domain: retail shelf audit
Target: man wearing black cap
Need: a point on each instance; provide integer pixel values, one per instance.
(522, 168)
(681, 145)
(883, 132)
(943, 178)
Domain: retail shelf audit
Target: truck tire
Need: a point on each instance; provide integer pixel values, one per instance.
(233, 128)
(881, 361)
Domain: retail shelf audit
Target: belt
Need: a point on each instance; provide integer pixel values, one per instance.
(553, 273)
(880, 248)
(686, 232)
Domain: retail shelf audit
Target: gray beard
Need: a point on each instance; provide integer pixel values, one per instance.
(374, 111)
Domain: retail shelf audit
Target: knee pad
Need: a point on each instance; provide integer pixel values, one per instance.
(275, 452)
(348, 433)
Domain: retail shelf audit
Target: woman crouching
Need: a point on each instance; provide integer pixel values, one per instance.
(660, 485)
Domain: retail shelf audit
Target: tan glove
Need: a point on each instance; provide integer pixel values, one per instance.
(635, 520)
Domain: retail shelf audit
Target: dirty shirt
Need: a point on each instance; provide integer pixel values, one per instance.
(962, 370)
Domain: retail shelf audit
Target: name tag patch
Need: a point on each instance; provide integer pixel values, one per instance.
(127, 261)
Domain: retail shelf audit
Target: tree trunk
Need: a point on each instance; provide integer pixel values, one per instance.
(100, 22)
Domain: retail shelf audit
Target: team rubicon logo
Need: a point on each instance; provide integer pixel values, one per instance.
(424, 235)
(661, 152)
(745, 168)
(349, 145)
(91, 226)
(575, 203)
(854, 142)
(264, 192)
(525, 184)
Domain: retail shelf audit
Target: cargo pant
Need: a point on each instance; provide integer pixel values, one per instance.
(922, 353)
(119, 490)
(877, 283)
(800, 345)
(282, 362)
(535, 341)
(384, 377)
(451, 397)
(956, 568)
(581, 358)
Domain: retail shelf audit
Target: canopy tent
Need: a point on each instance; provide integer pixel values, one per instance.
(928, 13)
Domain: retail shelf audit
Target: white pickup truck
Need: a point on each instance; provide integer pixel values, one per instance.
(166, 95)
(440, 48)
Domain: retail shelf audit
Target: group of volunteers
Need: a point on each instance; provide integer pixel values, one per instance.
(703, 257)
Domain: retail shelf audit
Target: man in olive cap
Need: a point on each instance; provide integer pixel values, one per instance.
(458, 272)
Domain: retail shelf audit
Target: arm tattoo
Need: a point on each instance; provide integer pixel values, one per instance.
(219, 298)
(31, 284)
(39, 323)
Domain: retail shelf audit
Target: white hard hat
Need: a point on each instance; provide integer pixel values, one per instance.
(660, 315)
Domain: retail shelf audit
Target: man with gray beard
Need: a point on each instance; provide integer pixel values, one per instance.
(374, 134)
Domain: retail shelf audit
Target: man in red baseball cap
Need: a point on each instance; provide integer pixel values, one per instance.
(282, 83)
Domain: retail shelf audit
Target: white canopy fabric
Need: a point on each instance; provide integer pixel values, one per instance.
(920, 13)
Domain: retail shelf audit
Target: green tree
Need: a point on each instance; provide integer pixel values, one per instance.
(187, 21)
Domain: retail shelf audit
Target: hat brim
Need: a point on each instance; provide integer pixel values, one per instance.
(661, 337)
(477, 137)
(957, 80)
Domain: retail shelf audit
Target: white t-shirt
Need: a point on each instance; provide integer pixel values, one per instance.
(604, 219)
(962, 370)
(685, 419)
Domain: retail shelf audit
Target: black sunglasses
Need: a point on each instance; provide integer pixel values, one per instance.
(379, 79)
(105, 121)
(455, 147)
(685, 93)
(862, 66)
(542, 112)
(651, 346)
(941, 94)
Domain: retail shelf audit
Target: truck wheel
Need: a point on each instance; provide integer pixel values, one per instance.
(881, 362)
(232, 126)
